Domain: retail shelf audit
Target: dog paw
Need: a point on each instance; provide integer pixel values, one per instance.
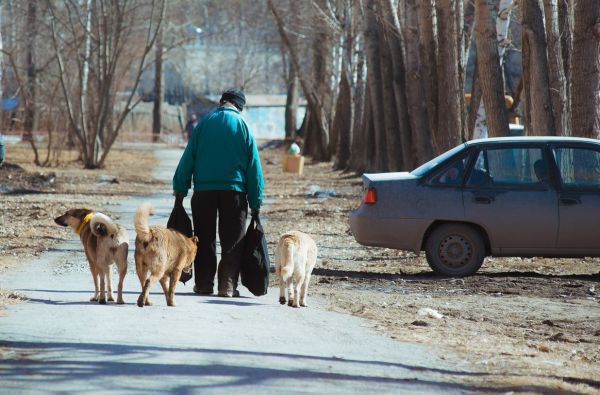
(120, 301)
(291, 302)
(102, 301)
(111, 299)
(140, 301)
(303, 304)
(94, 298)
(295, 305)
(282, 300)
(148, 302)
(172, 304)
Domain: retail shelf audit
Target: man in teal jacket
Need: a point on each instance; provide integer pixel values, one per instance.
(223, 161)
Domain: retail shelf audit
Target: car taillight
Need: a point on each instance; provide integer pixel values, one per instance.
(370, 196)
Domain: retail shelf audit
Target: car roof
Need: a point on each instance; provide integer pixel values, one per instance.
(530, 139)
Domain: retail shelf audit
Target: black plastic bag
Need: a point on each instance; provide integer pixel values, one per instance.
(180, 221)
(255, 266)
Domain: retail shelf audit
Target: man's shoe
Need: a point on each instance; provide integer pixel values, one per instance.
(200, 291)
(234, 294)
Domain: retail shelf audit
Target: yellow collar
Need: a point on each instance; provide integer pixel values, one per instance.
(84, 223)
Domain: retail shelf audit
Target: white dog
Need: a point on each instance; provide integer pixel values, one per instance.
(296, 256)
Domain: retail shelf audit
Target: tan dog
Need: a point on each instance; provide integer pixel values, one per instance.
(295, 258)
(163, 252)
(104, 242)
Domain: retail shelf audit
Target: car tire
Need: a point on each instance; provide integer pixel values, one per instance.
(455, 250)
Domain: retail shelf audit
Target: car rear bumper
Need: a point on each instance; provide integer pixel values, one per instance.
(370, 230)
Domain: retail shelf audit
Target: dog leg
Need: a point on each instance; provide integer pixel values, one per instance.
(122, 273)
(173, 283)
(110, 297)
(290, 288)
(165, 287)
(303, 290)
(101, 297)
(143, 298)
(96, 288)
(142, 277)
(297, 285)
(281, 290)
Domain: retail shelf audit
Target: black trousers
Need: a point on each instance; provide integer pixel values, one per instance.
(231, 207)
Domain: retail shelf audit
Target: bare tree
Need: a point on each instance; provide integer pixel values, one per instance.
(105, 44)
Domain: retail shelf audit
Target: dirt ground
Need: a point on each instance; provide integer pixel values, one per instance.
(526, 325)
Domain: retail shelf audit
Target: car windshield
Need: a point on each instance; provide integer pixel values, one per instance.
(424, 168)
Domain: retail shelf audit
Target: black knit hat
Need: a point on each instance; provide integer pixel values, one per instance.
(235, 97)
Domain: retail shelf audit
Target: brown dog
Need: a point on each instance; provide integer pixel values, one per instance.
(295, 258)
(163, 252)
(104, 242)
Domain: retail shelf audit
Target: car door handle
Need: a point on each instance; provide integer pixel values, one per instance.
(483, 199)
(569, 201)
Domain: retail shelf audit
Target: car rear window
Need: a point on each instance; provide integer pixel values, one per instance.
(426, 167)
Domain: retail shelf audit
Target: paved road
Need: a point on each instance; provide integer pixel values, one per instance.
(59, 343)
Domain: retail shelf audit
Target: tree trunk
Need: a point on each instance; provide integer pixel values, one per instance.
(502, 24)
(565, 30)
(358, 160)
(395, 46)
(539, 118)
(291, 104)
(490, 72)
(31, 83)
(388, 103)
(343, 120)
(375, 84)
(558, 81)
(450, 88)
(585, 63)
(158, 88)
(415, 92)
(427, 50)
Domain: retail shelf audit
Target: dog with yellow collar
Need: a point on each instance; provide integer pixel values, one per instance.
(104, 243)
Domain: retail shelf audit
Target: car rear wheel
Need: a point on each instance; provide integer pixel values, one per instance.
(455, 250)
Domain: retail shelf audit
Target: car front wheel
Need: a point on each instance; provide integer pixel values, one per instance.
(455, 250)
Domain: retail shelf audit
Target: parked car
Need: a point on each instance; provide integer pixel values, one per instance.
(511, 196)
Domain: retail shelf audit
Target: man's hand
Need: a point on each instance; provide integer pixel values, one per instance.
(254, 212)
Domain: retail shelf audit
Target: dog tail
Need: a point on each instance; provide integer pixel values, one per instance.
(101, 225)
(287, 266)
(140, 221)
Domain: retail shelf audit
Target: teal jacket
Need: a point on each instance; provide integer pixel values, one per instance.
(221, 156)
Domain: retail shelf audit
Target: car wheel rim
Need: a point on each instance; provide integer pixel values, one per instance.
(455, 251)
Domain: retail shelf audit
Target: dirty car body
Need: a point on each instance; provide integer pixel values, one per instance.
(512, 196)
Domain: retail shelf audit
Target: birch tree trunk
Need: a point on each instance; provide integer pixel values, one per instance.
(539, 116)
(585, 63)
(490, 72)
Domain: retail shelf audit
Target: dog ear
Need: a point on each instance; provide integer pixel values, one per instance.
(79, 212)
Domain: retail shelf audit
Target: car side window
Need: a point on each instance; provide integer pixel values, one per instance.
(451, 175)
(513, 166)
(579, 167)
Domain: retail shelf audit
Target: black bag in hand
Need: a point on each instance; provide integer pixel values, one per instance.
(255, 266)
(179, 221)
